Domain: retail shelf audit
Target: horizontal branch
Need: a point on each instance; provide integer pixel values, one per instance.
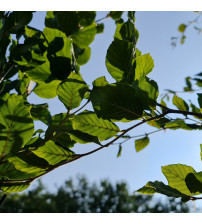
(172, 111)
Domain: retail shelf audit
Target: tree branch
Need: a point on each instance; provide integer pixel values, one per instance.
(2, 199)
(172, 111)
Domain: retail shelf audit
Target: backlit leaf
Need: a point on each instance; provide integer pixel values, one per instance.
(141, 143)
(89, 123)
(109, 102)
(71, 91)
(180, 103)
(144, 65)
(15, 116)
(53, 153)
(176, 174)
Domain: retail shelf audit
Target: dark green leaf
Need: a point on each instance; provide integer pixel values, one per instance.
(200, 100)
(86, 18)
(109, 102)
(147, 91)
(120, 59)
(120, 150)
(160, 187)
(194, 183)
(182, 28)
(115, 14)
(60, 67)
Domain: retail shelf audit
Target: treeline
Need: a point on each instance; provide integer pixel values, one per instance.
(86, 197)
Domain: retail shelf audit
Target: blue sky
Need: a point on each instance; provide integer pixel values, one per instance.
(172, 65)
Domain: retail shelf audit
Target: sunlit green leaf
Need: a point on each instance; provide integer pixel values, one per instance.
(176, 174)
(53, 153)
(141, 143)
(47, 90)
(89, 123)
(84, 36)
(18, 122)
(72, 90)
(180, 103)
(144, 65)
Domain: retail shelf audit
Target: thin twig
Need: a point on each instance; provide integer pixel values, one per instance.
(2, 199)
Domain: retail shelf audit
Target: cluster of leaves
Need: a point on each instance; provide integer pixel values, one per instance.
(85, 197)
(183, 27)
(51, 59)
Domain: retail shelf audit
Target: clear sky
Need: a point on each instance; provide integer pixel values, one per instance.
(172, 65)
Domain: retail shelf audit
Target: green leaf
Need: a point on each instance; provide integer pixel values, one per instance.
(40, 73)
(120, 59)
(17, 20)
(194, 182)
(109, 102)
(127, 31)
(53, 153)
(160, 187)
(141, 143)
(120, 150)
(144, 65)
(176, 124)
(67, 22)
(40, 112)
(71, 91)
(23, 166)
(99, 82)
(10, 187)
(200, 100)
(53, 36)
(176, 174)
(147, 90)
(83, 138)
(115, 14)
(146, 189)
(89, 123)
(84, 56)
(182, 28)
(15, 116)
(85, 36)
(180, 103)
(160, 123)
(86, 18)
(8, 170)
(47, 90)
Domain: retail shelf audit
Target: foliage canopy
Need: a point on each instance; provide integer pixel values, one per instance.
(51, 60)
